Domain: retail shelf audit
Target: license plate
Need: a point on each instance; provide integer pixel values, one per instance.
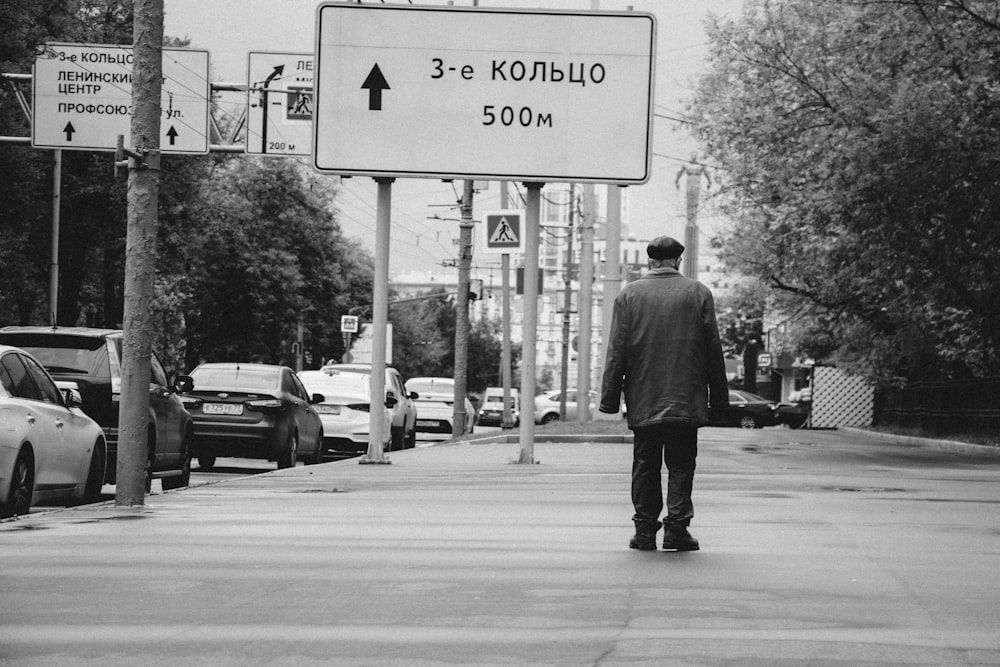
(222, 408)
(426, 422)
(328, 409)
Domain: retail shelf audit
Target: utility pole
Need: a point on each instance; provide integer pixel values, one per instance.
(140, 251)
(567, 307)
(462, 311)
(585, 304)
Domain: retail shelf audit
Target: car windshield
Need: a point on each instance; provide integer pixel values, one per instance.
(64, 354)
(235, 378)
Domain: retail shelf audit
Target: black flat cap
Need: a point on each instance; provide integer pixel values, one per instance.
(664, 247)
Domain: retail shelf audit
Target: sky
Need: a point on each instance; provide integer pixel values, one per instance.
(424, 211)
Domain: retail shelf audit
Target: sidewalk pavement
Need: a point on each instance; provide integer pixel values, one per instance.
(818, 547)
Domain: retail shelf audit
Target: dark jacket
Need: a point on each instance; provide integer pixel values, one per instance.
(664, 352)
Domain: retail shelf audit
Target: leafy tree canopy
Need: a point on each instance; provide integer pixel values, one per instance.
(858, 144)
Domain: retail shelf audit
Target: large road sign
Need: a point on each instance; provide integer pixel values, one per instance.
(483, 93)
(503, 232)
(83, 98)
(279, 103)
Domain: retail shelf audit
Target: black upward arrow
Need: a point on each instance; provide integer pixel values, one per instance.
(375, 83)
(278, 71)
(172, 134)
(69, 130)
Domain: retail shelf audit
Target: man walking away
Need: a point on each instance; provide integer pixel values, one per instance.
(665, 354)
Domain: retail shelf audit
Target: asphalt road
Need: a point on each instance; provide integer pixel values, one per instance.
(818, 547)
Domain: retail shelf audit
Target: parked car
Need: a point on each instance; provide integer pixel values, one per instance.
(50, 450)
(547, 405)
(795, 413)
(404, 410)
(748, 410)
(345, 410)
(435, 399)
(255, 411)
(491, 410)
(90, 361)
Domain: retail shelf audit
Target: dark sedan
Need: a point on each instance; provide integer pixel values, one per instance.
(252, 411)
(748, 410)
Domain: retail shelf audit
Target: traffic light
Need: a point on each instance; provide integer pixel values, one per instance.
(475, 289)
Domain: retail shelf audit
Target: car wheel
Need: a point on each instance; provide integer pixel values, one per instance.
(150, 460)
(410, 440)
(397, 439)
(748, 421)
(318, 456)
(183, 479)
(95, 476)
(206, 461)
(288, 458)
(22, 486)
(549, 418)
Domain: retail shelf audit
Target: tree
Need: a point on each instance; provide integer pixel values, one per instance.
(423, 342)
(859, 148)
(267, 254)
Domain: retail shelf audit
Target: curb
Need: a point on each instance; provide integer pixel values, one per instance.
(914, 441)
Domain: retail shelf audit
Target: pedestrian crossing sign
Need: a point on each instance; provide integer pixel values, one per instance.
(503, 232)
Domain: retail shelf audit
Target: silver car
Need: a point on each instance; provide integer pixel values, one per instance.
(50, 451)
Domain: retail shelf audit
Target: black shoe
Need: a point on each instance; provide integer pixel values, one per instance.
(679, 539)
(644, 538)
(643, 542)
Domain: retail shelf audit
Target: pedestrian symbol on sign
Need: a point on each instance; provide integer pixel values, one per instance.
(503, 231)
(503, 234)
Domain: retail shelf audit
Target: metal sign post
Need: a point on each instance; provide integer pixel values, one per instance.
(526, 436)
(380, 322)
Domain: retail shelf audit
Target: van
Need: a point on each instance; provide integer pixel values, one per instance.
(491, 410)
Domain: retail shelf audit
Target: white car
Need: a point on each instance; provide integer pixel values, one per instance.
(491, 411)
(404, 412)
(50, 451)
(547, 405)
(344, 411)
(435, 399)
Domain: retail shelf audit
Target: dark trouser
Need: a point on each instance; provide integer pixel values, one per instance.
(676, 444)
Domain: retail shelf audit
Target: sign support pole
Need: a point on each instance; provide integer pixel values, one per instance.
(507, 421)
(526, 435)
(54, 266)
(380, 324)
(612, 273)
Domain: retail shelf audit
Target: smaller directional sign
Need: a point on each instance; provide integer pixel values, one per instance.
(348, 324)
(279, 103)
(82, 97)
(503, 232)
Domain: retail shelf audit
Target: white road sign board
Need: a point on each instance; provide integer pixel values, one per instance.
(503, 232)
(483, 93)
(279, 103)
(82, 98)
